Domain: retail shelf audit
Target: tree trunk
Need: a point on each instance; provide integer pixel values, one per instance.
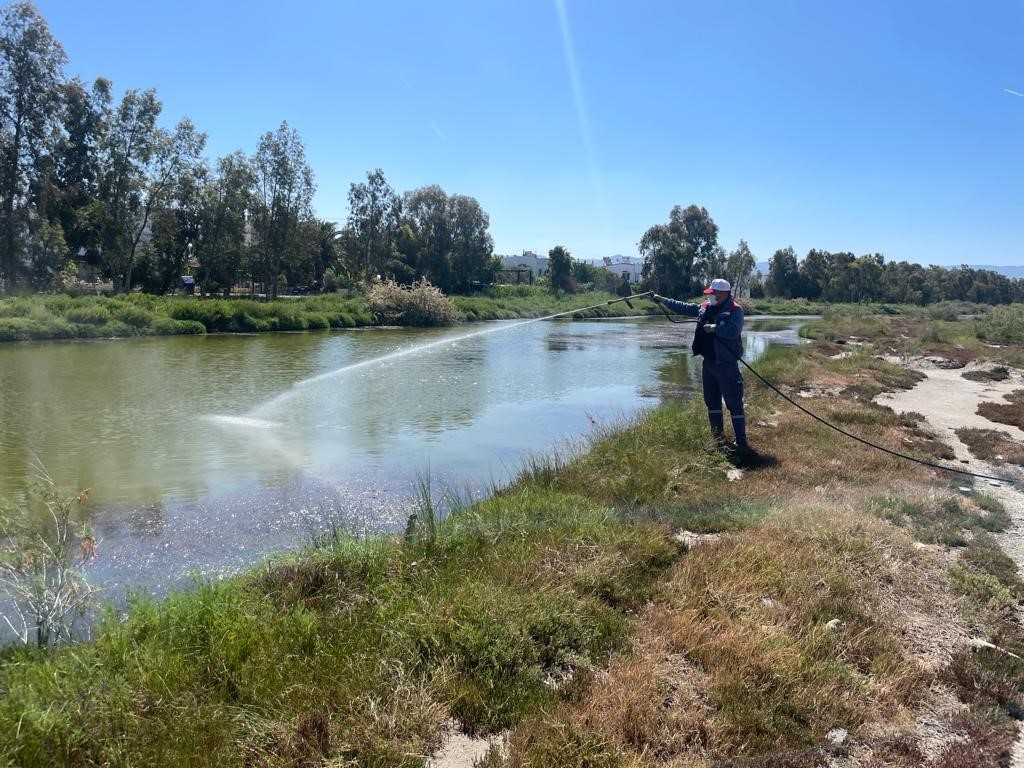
(10, 256)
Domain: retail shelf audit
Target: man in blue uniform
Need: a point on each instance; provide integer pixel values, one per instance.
(717, 341)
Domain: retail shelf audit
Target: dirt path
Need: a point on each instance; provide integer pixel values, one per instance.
(949, 402)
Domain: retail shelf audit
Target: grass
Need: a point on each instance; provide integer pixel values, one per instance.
(950, 519)
(997, 373)
(359, 651)
(992, 445)
(755, 646)
(512, 302)
(563, 608)
(991, 334)
(1011, 412)
(64, 317)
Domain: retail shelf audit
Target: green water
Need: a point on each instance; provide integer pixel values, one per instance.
(205, 453)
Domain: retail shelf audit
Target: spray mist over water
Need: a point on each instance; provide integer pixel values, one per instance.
(260, 411)
(256, 418)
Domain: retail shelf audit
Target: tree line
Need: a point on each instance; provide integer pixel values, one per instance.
(844, 277)
(88, 178)
(683, 255)
(85, 178)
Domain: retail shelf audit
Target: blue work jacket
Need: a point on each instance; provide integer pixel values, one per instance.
(728, 326)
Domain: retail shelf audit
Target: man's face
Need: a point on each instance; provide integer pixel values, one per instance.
(720, 296)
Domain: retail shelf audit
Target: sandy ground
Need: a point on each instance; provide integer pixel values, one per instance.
(462, 751)
(948, 402)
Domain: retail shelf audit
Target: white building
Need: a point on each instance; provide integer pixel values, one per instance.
(623, 266)
(537, 264)
(619, 265)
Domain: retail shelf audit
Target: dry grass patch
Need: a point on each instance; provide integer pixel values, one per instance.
(810, 455)
(992, 445)
(998, 373)
(757, 645)
(1010, 412)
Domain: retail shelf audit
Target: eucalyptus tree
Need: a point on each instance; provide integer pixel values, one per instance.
(372, 228)
(125, 150)
(76, 204)
(783, 274)
(739, 267)
(472, 244)
(676, 254)
(227, 193)
(426, 212)
(173, 231)
(284, 194)
(714, 267)
(173, 157)
(31, 71)
(327, 247)
(815, 273)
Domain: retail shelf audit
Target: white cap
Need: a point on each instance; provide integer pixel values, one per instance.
(718, 284)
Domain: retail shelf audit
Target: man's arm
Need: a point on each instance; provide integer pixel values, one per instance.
(679, 307)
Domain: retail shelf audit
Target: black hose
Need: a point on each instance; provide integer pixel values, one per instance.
(842, 431)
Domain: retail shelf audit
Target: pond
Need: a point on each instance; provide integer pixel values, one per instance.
(205, 454)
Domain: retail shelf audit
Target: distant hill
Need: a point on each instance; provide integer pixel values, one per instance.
(762, 266)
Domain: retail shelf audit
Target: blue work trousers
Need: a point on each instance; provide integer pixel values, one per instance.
(723, 381)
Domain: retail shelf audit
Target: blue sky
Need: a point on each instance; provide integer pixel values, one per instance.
(863, 126)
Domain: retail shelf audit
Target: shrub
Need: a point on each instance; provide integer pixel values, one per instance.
(132, 315)
(39, 567)
(1004, 324)
(420, 305)
(315, 321)
(88, 315)
(165, 326)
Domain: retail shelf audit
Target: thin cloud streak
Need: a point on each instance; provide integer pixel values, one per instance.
(438, 131)
(1015, 93)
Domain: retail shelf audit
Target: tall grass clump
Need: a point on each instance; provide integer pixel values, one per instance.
(420, 304)
(1004, 324)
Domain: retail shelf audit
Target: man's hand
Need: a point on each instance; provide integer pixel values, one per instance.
(656, 298)
(709, 328)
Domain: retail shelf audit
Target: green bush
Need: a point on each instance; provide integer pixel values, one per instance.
(15, 328)
(132, 315)
(1004, 325)
(316, 321)
(88, 315)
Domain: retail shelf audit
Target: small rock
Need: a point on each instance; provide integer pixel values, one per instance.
(767, 602)
(837, 736)
(734, 474)
(691, 539)
(964, 489)
(836, 625)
